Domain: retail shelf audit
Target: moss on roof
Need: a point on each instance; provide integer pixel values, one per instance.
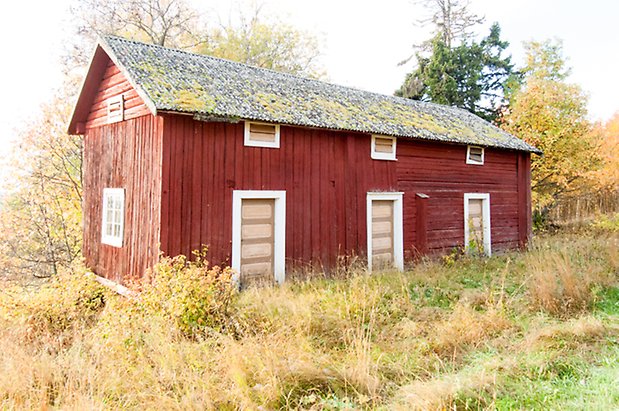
(207, 87)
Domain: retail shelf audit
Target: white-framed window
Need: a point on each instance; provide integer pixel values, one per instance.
(115, 109)
(113, 221)
(475, 155)
(256, 229)
(385, 238)
(261, 134)
(477, 223)
(383, 148)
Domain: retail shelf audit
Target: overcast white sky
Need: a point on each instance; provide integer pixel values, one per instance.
(362, 41)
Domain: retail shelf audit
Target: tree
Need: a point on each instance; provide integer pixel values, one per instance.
(471, 76)
(273, 45)
(40, 222)
(452, 20)
(606, 178)
(171, 23)
(551, 114)
(246, 38)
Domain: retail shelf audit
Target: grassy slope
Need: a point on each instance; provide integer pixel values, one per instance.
(520, 331)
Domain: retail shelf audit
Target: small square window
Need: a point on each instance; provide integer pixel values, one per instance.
(115, 109)
(112, 225)
(383, 148)
(474, 155)
(261, 135)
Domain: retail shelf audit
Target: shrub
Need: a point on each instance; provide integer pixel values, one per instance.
(67, 302)
(608, 223)
(195, 296)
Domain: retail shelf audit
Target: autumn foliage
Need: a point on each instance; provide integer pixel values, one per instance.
(551, 114)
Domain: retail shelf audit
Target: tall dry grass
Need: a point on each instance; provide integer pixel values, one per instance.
(563, 278)
(423, 339)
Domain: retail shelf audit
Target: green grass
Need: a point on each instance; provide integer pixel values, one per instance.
(534, 330)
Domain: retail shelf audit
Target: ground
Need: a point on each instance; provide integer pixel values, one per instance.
(532, 330)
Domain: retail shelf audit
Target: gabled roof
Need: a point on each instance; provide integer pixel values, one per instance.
(206, 87)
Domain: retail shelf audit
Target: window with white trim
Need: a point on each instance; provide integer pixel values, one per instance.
(115, 109)
(475, 155)
(112, 226)
(261, 134)
(383, 148)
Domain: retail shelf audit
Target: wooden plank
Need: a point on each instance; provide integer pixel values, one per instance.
(524, 199)
(208, 175)
(196, 186)
(186, 184)
(176, 172)
(421, 222)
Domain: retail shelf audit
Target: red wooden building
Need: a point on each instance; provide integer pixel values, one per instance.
(274, 172)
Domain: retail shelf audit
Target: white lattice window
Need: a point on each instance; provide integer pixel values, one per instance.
(112, 226)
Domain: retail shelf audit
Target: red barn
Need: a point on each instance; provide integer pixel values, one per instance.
(273, 171)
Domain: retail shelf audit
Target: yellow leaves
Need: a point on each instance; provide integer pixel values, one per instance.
(40, 224)
(552, 116)
(268, 44)
(607, 176)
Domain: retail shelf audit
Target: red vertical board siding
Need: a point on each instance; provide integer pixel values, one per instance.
(326, 176)
(421, 225)
(440, 171)
(180, 173)
(124, 155)
(524, 199)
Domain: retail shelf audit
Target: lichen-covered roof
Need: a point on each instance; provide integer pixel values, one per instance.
(209, 87)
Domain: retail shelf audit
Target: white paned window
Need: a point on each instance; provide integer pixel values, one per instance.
(115, 109)
(261, 135)
(383, 148)
(475, 155)
(112, 226)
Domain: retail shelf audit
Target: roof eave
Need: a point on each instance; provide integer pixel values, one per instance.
(85, 95)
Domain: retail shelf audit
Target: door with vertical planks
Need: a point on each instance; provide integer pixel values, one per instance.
(257, 240)
(382, 234)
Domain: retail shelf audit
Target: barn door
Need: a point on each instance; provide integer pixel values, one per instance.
(257, 240)
(385, 230)
(258, 236)
(477, 223)
(382, 234)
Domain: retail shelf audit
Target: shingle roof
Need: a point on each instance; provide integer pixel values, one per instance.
(209, 87)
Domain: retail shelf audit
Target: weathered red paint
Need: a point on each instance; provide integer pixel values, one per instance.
(179, 175)
(421, 224)
(124, 155)
(441, 172)
(326, 175)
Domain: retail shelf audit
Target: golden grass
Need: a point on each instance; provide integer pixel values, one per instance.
(563, 280)
(428, 338)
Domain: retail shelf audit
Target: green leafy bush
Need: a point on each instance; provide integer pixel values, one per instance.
(195, 296)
